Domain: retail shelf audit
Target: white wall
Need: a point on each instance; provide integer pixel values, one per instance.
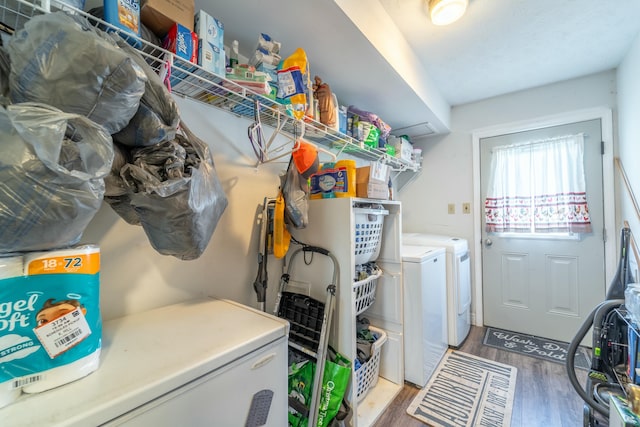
(447, 175)
(134, 277)
(629, 134)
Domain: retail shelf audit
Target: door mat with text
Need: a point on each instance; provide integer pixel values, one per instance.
(530, 345)
(466, 391)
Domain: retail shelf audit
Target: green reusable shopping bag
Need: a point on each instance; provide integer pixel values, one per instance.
(335, 380)
(334, 385)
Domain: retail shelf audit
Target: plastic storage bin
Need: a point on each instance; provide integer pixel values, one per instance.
(364, 291)
(368, 233)
(367, 375)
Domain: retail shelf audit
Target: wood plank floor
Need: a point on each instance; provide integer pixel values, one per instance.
(544, 396)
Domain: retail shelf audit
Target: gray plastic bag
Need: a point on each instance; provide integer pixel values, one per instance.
(157, 117)
(5, 69)
(116, 193)
(60, 60)
(176, 194)
(51, 174)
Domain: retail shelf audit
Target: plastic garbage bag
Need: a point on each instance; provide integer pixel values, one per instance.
(296, 195)
(51, 176)
(157, 117)
(5, 69)
(153, 53)
(63, 61)
(116, 193)
(176, 194)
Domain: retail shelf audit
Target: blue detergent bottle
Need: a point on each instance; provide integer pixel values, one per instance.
(124, 14)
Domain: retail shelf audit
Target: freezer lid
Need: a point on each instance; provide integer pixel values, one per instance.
(146, 355)
(451, 243)
(418, 254)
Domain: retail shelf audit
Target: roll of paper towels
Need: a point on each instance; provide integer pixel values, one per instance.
(61, 375)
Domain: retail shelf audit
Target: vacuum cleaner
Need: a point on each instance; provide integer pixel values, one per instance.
(609, 354)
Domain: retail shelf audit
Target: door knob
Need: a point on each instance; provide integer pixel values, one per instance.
(488, 242)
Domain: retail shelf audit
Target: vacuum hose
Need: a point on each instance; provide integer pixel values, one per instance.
(603, 307)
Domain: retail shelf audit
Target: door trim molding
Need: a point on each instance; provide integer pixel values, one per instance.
(606, 119)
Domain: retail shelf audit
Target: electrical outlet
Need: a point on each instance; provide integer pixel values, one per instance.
(466, 208)
(451, 208)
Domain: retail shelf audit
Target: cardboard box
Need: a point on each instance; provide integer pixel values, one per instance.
(371, 182)
(160, 15)
(211, 55)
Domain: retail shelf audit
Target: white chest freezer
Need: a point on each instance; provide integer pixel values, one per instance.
(199, 363)
(425, 311)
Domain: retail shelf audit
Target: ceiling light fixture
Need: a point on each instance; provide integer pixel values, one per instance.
(445, 12)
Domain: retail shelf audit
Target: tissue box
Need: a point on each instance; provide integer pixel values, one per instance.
(183, 42)
(160, 15)
(372, 181)
(211, 55)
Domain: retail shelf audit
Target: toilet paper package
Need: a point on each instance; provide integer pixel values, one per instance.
(10, 267)
(50, 324)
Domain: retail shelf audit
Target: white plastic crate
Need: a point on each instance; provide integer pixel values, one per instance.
(364, 291)
(367, 375)
(368, 233)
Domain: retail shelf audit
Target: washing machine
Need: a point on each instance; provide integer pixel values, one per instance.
(458, 281)
(424, 278)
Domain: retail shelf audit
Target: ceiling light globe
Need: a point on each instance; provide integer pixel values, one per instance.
(445, 12)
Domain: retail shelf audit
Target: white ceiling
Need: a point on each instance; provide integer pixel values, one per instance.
(502, 46)
(385, 56)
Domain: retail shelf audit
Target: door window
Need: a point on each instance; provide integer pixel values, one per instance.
(538, 189)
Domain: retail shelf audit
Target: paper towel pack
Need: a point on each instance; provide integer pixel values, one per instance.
(50, 324)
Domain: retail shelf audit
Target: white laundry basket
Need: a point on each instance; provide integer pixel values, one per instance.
(367, 374)
(364, 291)
(368, 233)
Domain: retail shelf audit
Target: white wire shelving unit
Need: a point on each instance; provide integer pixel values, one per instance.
(193, 82)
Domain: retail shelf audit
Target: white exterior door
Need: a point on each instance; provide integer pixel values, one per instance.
(545, 285)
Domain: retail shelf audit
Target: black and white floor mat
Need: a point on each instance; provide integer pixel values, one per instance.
(466, 391)
(530, 345)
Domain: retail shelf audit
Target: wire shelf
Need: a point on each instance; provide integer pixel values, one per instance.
(193, 82)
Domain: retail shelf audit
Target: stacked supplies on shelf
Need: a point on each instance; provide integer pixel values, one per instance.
(50, 324)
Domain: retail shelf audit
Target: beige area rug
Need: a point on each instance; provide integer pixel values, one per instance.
(466, 391)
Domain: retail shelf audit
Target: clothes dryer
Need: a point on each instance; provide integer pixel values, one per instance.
(424, 281)
(458, 281)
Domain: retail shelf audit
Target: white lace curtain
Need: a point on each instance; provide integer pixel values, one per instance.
(538, 187)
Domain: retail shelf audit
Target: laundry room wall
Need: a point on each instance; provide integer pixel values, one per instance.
(447, 167)
(134, 277)
(629, 138)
